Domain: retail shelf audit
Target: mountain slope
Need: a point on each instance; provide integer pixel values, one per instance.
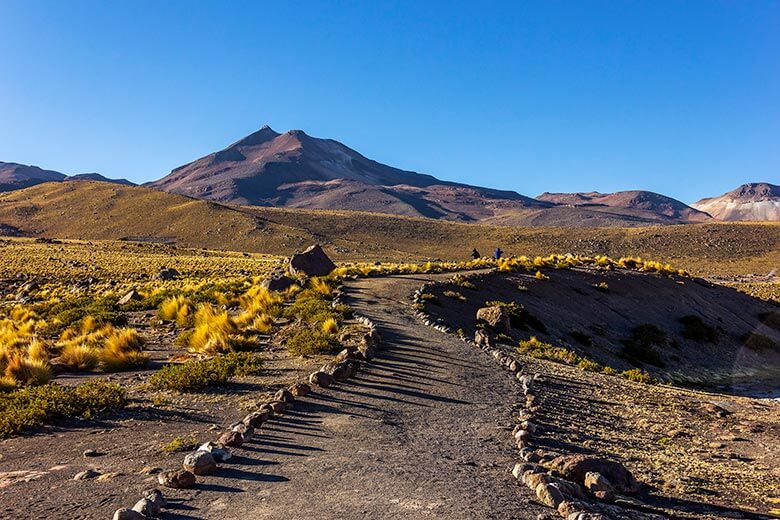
(641, 204)
(754, 201)
(296, 170)
(97, 177)
(14, 176)
(103, 211)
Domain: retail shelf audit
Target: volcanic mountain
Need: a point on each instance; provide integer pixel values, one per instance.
(296, 170)
(754, 201)
(643, 204)
(14, 176)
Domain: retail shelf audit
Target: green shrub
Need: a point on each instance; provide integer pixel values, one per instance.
(455, 295)
(312, 308)
(309, 342)
(197, 375)
(695, 329)
(180, 443)
(430, 298)
(462, 281)
(638, 376)
(31, 407)
(541, 350)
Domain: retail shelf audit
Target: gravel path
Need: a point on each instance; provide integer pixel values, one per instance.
(420, 434)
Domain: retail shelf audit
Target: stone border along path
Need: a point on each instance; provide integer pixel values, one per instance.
(578, 487)
(204, 461)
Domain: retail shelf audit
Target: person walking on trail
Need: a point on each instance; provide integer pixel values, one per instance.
(497, 253)
(475, 254)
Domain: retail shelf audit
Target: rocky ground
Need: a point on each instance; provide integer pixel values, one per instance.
(423, 431)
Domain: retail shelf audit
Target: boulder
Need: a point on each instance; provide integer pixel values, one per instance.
(256, 419)
(131, 296)
(166, 274)
(86, 474)
(321, 378)
(576, 467)
(179, 479)
(278, 407)
(284, 396)
(481, 338)
(246, 431)
(218, 452)
(147, 507)
(496, 317)
(312, 262)
(549, 495)
(128, 514)
(300, 389)
(277, 281)
(156, 496)
(231, 438)
(200, 463)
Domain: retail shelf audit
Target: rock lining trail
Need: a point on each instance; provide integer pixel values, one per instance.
(420, 432)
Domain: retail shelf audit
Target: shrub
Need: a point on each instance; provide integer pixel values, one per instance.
(213, 329)
(310, 342)
(590, 366)
(180, 443)
(695, 329)
(197, 375)
(21, 370)
(455, 295)
(541, 350)
(429, 298)
(178, 309)
(462, 281)
(310, 308)
(322, 286)
(79, 357)
(330, 326)
(541, 276)
(31, 407)
(638, 376)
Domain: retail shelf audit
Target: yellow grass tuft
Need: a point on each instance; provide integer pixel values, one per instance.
(24, 371)
(330, 326)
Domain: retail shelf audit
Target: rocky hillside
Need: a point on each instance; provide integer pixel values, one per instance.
(642, 204)
(755, 201)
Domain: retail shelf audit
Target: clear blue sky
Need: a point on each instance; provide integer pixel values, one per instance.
(677, 97)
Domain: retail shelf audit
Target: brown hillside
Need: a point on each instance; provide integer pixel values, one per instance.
(94, 210)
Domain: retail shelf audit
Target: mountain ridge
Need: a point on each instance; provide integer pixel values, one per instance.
(750, 201)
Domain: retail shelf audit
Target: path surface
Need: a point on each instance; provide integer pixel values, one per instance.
(420, 434)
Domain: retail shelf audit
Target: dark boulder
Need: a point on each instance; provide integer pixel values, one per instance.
(312, 262)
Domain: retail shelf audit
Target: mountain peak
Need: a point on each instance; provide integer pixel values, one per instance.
(265, 134)
(750, 201)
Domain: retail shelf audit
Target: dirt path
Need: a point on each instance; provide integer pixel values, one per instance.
(419, 433)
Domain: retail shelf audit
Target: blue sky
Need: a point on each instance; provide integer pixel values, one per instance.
(677, 97)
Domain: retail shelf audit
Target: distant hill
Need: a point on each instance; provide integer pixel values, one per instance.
(97, 177)
(642, 204)
(299, 171)
(103, 211)
(14, 176)
(754, 201)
